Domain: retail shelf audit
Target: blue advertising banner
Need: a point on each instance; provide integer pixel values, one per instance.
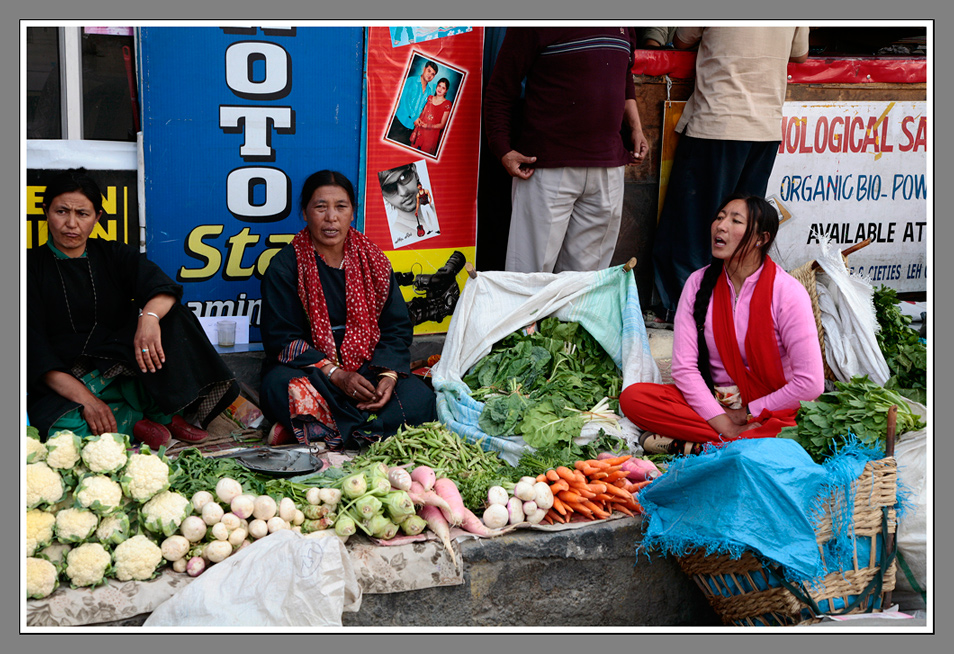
(234, 120)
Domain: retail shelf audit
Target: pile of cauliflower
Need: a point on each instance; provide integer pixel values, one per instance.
(95, 510)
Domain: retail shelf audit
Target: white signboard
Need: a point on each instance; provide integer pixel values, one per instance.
(854, 171)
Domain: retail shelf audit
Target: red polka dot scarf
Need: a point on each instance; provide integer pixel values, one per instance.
(367, 285)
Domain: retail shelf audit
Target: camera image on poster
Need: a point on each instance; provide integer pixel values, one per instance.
(435, 294)
(425, 105)
(409, 203)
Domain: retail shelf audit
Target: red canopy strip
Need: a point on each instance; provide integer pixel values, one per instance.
(817, 70)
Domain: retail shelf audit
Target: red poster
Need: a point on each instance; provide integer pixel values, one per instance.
(423, 142)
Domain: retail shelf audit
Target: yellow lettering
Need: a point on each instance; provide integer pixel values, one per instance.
(35, 199)
(107, 231)
(195, 247)
(237, 245)
(109, 200)
(276, 240)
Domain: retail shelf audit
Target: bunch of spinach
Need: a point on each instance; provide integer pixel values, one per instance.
(901, 346)
(537, 385)
(859, 407)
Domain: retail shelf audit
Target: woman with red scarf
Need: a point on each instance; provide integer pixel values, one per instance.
(336, 332)
(745, 348)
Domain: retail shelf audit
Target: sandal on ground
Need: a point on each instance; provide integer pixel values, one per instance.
(658, 318)
(658, 444)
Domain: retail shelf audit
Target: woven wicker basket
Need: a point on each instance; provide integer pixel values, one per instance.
(745, 592)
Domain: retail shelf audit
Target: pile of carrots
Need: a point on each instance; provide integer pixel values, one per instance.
(593, 490)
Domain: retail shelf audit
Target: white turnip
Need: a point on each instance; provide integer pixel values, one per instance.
(542, 495)
(242, 506)
(237, 537)
(537, 516)
(193, 528)
(200, 499)
(524, 491)
(275, 524)
(258, 528)
(180, 564)
(400, 479)
(220, 531)
(515, 510)
(497, 495)
(265, 507)
(329, 495)
(195, 566)
(175, 547)
(231, 521)
(218, 550)
(299, 517)
(286, 509)
(496, 516)
(212, 513)
(313, 496)
(226, 489)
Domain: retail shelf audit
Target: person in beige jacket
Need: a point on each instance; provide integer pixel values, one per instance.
(730, 131)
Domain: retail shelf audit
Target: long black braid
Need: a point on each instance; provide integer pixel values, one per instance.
(699, 308)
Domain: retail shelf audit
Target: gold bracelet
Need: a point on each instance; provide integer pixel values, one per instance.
(390, 374)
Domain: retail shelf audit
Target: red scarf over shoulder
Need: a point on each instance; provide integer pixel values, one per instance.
(367, 286)
(765, 373)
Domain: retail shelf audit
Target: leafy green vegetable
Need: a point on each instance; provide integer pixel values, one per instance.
(901, 346)
(859, 407)
(194, 472)
(534, 385)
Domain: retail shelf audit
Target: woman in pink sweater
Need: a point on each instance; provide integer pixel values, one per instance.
(745, 350)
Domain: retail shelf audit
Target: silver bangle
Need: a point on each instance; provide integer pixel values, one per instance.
(149, 313)
(332, 371)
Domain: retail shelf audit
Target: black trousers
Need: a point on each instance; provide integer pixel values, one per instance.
(704, 173)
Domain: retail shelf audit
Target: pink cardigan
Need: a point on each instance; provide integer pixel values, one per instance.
(795, 331)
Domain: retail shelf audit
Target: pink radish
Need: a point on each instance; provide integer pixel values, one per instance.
(420, 497)
(473, 525)
(447, 489)
(605, 455)
(640, 469)
(425, 476)
(438, 524)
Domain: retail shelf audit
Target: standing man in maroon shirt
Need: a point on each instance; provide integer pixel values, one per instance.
(567, 154)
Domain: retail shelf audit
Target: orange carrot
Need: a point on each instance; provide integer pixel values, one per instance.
(579, 465)
(558, 505)
(542, 476)
(623, 509)
(557, 486)
(615, 475)
(618, 460)
(618, 492)
(579, 508)
(597, 511)
(569, 496)
(639, 485)
(596, 487)
(552, 475)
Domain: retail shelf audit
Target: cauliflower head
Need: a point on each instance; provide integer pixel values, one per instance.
(136, 558)
(165, 512)
(41, 578)
(75, 525)
(105, 453)
(44, 485)
(100, 494)
(39, 530)
(113, 529)
(35, 450)
(63, 450)
(145, 475)
(88, 565)
(56, 553)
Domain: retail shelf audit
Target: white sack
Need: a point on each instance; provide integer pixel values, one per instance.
(910, 452)
(851, 348)
(497, 303)
(283, 580)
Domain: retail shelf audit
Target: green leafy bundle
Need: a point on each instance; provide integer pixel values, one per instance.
(859, 407)
(537, 385)
(901, 346)
(194, 472)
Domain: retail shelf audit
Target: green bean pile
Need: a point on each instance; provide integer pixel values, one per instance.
(433, 445)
